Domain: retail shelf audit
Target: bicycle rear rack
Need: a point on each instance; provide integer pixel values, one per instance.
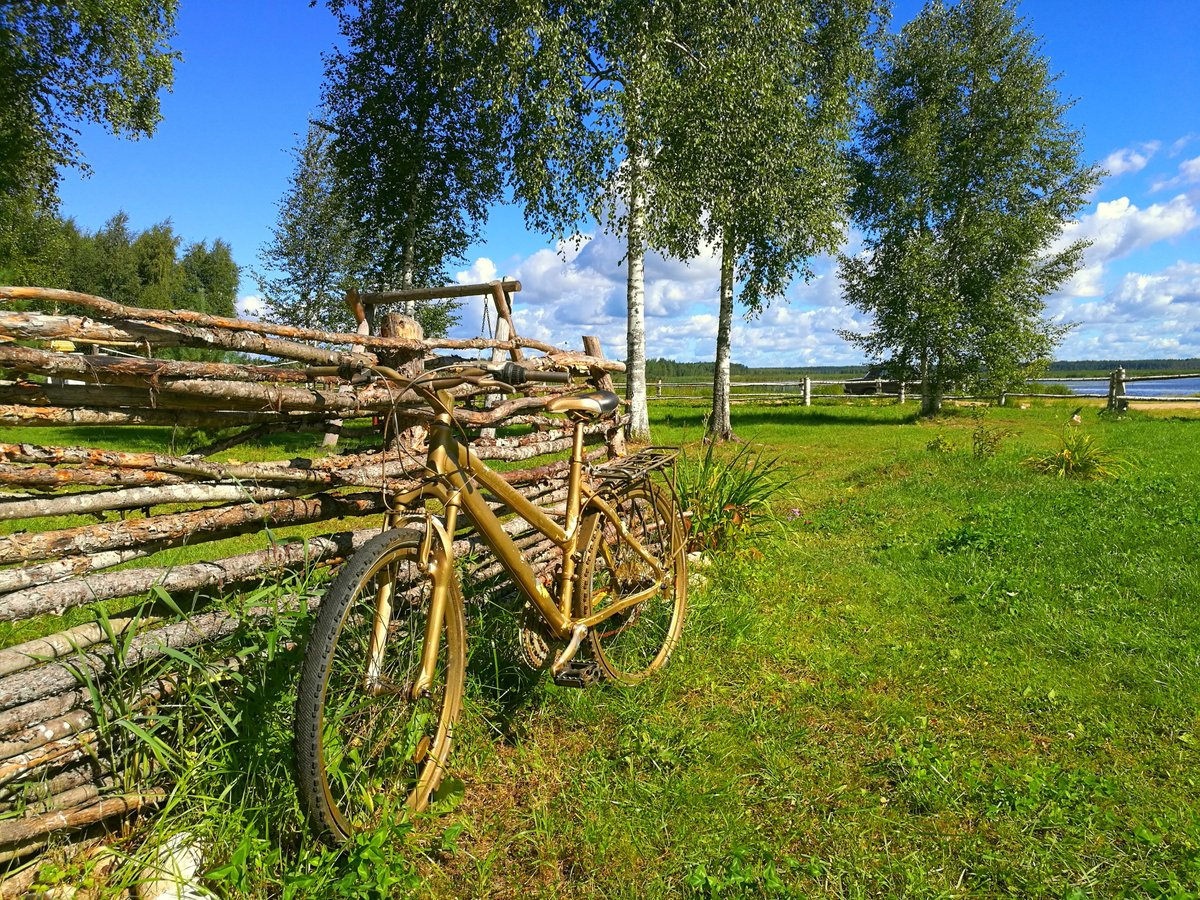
(635, 467)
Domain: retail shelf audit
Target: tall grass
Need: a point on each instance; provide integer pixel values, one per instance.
(1078, 455)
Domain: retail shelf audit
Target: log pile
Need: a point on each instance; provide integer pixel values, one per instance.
(106, 536)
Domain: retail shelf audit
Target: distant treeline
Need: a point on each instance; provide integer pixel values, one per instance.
(154, 268)
(669, 369)
(1166, 366)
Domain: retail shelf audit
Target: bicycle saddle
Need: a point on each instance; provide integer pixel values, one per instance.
(585, 405)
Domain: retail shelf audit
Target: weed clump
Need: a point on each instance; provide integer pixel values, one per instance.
(724, 496)
(1078, 455)
(942, 444)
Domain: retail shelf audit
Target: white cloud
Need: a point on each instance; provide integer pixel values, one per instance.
(482, 270)
(582, 291)
(1130, 159)
(1189, 173)
(1178, 146)
(1118, 228)
(249, 307)
(1144, 315)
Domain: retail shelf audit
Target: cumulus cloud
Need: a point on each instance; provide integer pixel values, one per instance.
(1144, 315)
(578, 288)
(1189, 173)
(249, 307)
(1118, 228)
(481, 271)
(1180, 144)
(1130, 159)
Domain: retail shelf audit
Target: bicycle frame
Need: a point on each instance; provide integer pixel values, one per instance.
(454, 476)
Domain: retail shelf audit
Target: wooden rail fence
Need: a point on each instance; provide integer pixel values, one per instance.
(90, 562)
(1116, 396)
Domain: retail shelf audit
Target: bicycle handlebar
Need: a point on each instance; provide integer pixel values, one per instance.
(511, 373)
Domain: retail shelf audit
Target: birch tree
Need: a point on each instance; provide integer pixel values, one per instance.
(968, 170)
(584, 90)
(754, 136)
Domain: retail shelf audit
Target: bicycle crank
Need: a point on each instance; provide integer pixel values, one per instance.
(578, 633)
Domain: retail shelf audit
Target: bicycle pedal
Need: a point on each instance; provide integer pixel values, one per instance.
(579, 673)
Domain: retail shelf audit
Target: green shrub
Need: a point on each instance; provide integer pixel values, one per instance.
(986, 439)
(724, 496)
(1078, 456)
(941, 444)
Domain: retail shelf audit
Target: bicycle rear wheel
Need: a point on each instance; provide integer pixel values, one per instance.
(365, 749)
(637, 641)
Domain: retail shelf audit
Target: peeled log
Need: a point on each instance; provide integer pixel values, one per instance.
(131, 582)
(21, 416)
(138, 498)
(161, 532)
(48, 477)
(34, 684)
(64, 643)
(39, 709)
(15, 579)
(139, 371)
(187, 467)
(20, 836)
(67, 780)
(197, 321)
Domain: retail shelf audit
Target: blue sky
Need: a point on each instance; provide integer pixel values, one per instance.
(251, 74)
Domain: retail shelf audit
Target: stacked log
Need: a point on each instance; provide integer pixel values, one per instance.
(102, 528)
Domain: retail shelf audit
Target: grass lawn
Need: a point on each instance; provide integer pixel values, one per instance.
(938, 676)
(934, 675)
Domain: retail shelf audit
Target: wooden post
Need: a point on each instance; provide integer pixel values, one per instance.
(402, 431)
(503, 333)
(807, 391)
(364, 327)
(616, 437)
(658, 390)
(503, 298)
(903, 395)
(1116, 391)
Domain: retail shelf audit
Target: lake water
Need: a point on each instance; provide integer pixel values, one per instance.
(1176, 387)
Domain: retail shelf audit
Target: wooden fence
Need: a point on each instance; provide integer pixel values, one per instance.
(100, 567)
(800, 391)
(1116, 396)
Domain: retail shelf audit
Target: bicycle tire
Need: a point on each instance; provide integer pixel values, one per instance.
(365, 754)
(636, 642)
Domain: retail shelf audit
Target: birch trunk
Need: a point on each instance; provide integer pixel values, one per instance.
(719, 426)
(635, 300)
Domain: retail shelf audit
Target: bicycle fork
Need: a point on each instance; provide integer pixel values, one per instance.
(434, 560)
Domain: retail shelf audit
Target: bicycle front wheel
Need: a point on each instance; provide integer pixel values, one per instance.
(366, 749)
(638, 640)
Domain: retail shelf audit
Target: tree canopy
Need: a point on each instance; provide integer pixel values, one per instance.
(396, 176)
(101, 61)
(967, 171)
(753, 134)
(308, 260)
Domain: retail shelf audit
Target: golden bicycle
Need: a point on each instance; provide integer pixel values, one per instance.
(382, 679)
